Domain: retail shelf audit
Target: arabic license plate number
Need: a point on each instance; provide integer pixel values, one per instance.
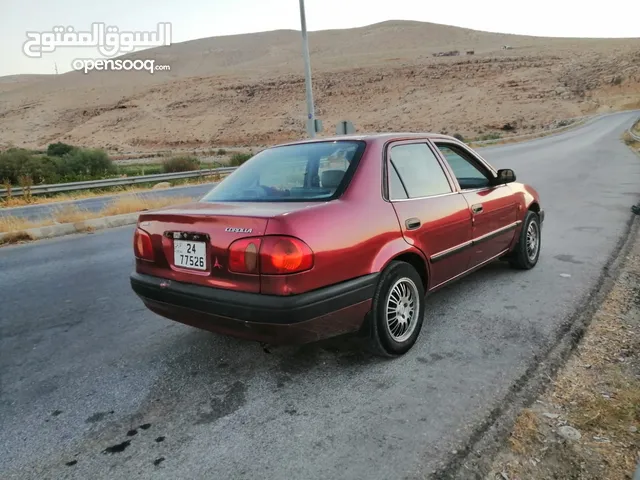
(189, 254)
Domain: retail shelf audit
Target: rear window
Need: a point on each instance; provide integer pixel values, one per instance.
(304, 172)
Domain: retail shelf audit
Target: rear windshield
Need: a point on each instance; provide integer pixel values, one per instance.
(303, 172)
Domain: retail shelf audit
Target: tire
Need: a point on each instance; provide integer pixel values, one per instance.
(524, 257)
(391, 340)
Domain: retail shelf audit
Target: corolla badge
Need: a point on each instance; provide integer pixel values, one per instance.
(238, 230)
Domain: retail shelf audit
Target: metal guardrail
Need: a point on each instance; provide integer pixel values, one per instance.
(114, 182)
(635, 137)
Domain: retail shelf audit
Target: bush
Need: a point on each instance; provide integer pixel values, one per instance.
(222, 151)
(17, 162)
(79, 164)
(86, 163)
(239, 158)
(180, 164)
(59, 149)
(458, 137)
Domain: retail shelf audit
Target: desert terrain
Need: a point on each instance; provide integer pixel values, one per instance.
(248, 90)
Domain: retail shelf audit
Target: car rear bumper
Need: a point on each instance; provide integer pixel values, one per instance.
(302, 318)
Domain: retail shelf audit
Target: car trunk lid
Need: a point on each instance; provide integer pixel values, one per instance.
(191, 242)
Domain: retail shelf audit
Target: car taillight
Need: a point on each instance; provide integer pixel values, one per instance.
(270, 255)
(281, 255)
(243, 255)
(142, 246)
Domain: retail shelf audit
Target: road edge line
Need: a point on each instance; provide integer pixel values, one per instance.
(476, 457)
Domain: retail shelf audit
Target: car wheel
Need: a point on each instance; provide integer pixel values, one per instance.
(527, 251)
(397, 311)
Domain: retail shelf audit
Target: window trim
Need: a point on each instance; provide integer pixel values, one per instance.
(386, 162)
(475, 159)
(404, 187)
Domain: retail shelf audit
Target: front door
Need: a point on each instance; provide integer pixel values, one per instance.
(493, 208)
(433, 216)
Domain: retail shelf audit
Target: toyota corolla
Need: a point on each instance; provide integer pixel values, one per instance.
(324, 237)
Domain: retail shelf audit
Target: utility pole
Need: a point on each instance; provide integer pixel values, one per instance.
(311, 127)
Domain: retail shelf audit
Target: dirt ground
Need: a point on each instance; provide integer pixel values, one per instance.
(587, 424)
(248, 90)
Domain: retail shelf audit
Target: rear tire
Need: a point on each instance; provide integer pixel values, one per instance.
(527, 251)
(397, 311)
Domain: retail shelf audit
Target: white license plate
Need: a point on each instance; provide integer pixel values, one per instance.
(189, 254)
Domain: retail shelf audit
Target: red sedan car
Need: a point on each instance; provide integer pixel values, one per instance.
(323, 237)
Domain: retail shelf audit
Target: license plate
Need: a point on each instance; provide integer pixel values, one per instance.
(189, 254)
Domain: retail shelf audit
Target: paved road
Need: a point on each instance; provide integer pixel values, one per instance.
(86, 368)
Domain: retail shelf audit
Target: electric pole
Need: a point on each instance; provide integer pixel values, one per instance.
(311, 127)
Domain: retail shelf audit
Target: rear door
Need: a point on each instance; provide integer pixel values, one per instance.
(493, 209)
(433, 216)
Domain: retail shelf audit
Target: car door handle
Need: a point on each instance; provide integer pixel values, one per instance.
(477, 208)
(412, 223)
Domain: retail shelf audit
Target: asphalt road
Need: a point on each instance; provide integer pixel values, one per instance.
(84, 364)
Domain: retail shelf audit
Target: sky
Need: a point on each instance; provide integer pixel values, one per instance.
(192, 19)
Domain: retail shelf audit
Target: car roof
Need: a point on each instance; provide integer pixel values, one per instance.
(371, 137)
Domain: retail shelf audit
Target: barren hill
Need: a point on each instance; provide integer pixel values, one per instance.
(249, 89)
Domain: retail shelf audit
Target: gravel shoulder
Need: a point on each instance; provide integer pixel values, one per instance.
(587, 423)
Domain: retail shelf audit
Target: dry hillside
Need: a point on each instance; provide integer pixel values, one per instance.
(249, 89)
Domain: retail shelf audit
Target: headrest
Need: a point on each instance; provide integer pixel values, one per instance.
(331, 178)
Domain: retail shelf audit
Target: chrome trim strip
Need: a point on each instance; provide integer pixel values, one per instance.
(450, 251)
(453, 250)
(504, 229)
(475, 267)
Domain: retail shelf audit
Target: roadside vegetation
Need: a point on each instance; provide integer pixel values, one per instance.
(587, 424)
(63, 163)
(15, 228)
(238, 159)
(497, 137)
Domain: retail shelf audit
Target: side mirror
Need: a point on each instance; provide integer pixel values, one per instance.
(505, 175)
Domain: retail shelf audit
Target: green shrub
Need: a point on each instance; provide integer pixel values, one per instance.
(239, 158)
(458, 137)
(59, 149)
(180, 164)
(17, 162)
(79, 164)
(222, 151)
(89, 162)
